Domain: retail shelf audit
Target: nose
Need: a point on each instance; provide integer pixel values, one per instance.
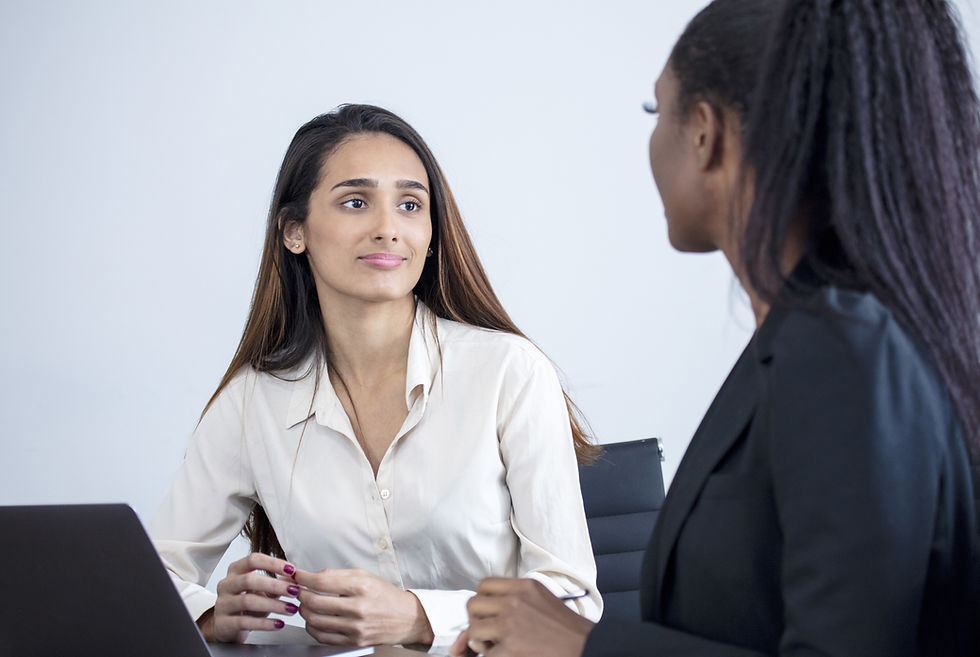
(386, 228)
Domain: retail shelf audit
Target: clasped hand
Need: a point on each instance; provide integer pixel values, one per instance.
(520, 618)
(347, 607)
(354, 607)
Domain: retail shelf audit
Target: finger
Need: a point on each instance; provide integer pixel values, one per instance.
(500, 585)
(259, 561)
(332, 624)
(251, 603)
(329, 637)
(233, 626)
(484, 633)
(331, 605)
(257, 582)
(478, 647)
(339, 581)
(460, 647)
(484, 606)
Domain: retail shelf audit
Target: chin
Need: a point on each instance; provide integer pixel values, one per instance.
(688, 244)
(384, 296)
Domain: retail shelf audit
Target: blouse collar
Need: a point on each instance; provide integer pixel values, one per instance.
(311, 397)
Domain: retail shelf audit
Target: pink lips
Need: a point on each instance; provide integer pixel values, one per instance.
(383, 260)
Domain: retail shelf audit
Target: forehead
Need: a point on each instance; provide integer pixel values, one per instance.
(666, 84)
(375, 156)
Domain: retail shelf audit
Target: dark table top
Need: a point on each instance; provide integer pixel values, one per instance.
(293, 641)
(292, 650)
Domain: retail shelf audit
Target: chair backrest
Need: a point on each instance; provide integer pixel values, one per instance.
(623, 492)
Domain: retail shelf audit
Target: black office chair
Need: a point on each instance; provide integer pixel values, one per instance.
(623, 492)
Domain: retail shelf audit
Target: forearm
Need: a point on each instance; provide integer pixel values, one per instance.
(616, 638)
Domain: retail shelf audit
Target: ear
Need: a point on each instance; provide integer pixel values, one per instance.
(292, 236)
(707, 132)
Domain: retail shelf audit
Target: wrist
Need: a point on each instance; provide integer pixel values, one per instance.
(582, 628)
(206, 624)
(421, 630)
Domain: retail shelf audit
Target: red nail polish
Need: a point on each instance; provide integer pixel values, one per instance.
(279, 624)
(292, 589)
(291, 608)
(288, 569)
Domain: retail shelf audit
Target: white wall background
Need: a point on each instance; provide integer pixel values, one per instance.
(139, 142)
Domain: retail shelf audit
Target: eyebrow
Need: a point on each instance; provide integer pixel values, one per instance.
(411, 184)
(356, 182)
(369, 182)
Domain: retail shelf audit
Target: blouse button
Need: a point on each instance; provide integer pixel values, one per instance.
(383, 544)
(385, 493)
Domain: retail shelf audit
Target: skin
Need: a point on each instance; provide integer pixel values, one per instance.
(510, 616)
(695, 187)
(372, 198)
(694, 160)
(246, 596)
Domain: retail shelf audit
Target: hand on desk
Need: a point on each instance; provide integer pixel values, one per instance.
(246, 596)
(363, 609)
(520, 618)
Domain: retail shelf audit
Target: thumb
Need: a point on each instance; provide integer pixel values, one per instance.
(460, 647)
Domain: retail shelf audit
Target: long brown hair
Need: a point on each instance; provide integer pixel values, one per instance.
(284, 326)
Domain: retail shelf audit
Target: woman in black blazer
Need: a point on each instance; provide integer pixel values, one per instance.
(825, 506)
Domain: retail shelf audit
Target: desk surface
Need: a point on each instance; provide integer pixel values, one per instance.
(293, 650)
(293, 641)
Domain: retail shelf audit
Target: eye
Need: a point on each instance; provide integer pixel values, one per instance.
(410, 206)
(651, 107)
(354, 203)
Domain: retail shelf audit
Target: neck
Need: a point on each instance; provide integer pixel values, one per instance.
(792, 254)
(368, 342)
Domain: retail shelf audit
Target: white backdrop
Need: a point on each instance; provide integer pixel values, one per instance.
(139, 143)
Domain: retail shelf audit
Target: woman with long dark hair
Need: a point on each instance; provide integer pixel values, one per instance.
(383, 424)
(826, 504)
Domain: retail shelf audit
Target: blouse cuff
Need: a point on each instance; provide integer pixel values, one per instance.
(446, 611)
(196, 598)
(589, 606)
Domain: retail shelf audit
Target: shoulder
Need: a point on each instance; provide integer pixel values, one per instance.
(253, 390)
(843, 353)
(840, 328)
(472, 343)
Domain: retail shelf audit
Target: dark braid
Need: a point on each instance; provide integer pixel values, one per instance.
(869, 126)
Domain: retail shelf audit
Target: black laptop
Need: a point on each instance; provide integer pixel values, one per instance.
(84, 580)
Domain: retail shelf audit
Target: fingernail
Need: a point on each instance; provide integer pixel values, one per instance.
(279, 624)
(288, 569)
(292, 589)
(291, 608)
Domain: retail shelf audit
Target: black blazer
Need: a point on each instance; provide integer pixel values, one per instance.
(823, 507)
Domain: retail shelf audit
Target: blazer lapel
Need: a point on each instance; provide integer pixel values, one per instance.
(727, 416)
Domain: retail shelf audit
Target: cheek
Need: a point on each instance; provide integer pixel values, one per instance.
(661, 169)
(652, 147)
(421, 235)
(323, 233)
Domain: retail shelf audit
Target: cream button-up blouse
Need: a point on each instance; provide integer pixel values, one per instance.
(480, 481)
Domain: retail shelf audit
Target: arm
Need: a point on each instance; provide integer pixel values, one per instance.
(854, 428)
(205, 509)
(208, 501)
(520, 618)
(856, 438)
(548, 514)
(858, 427)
